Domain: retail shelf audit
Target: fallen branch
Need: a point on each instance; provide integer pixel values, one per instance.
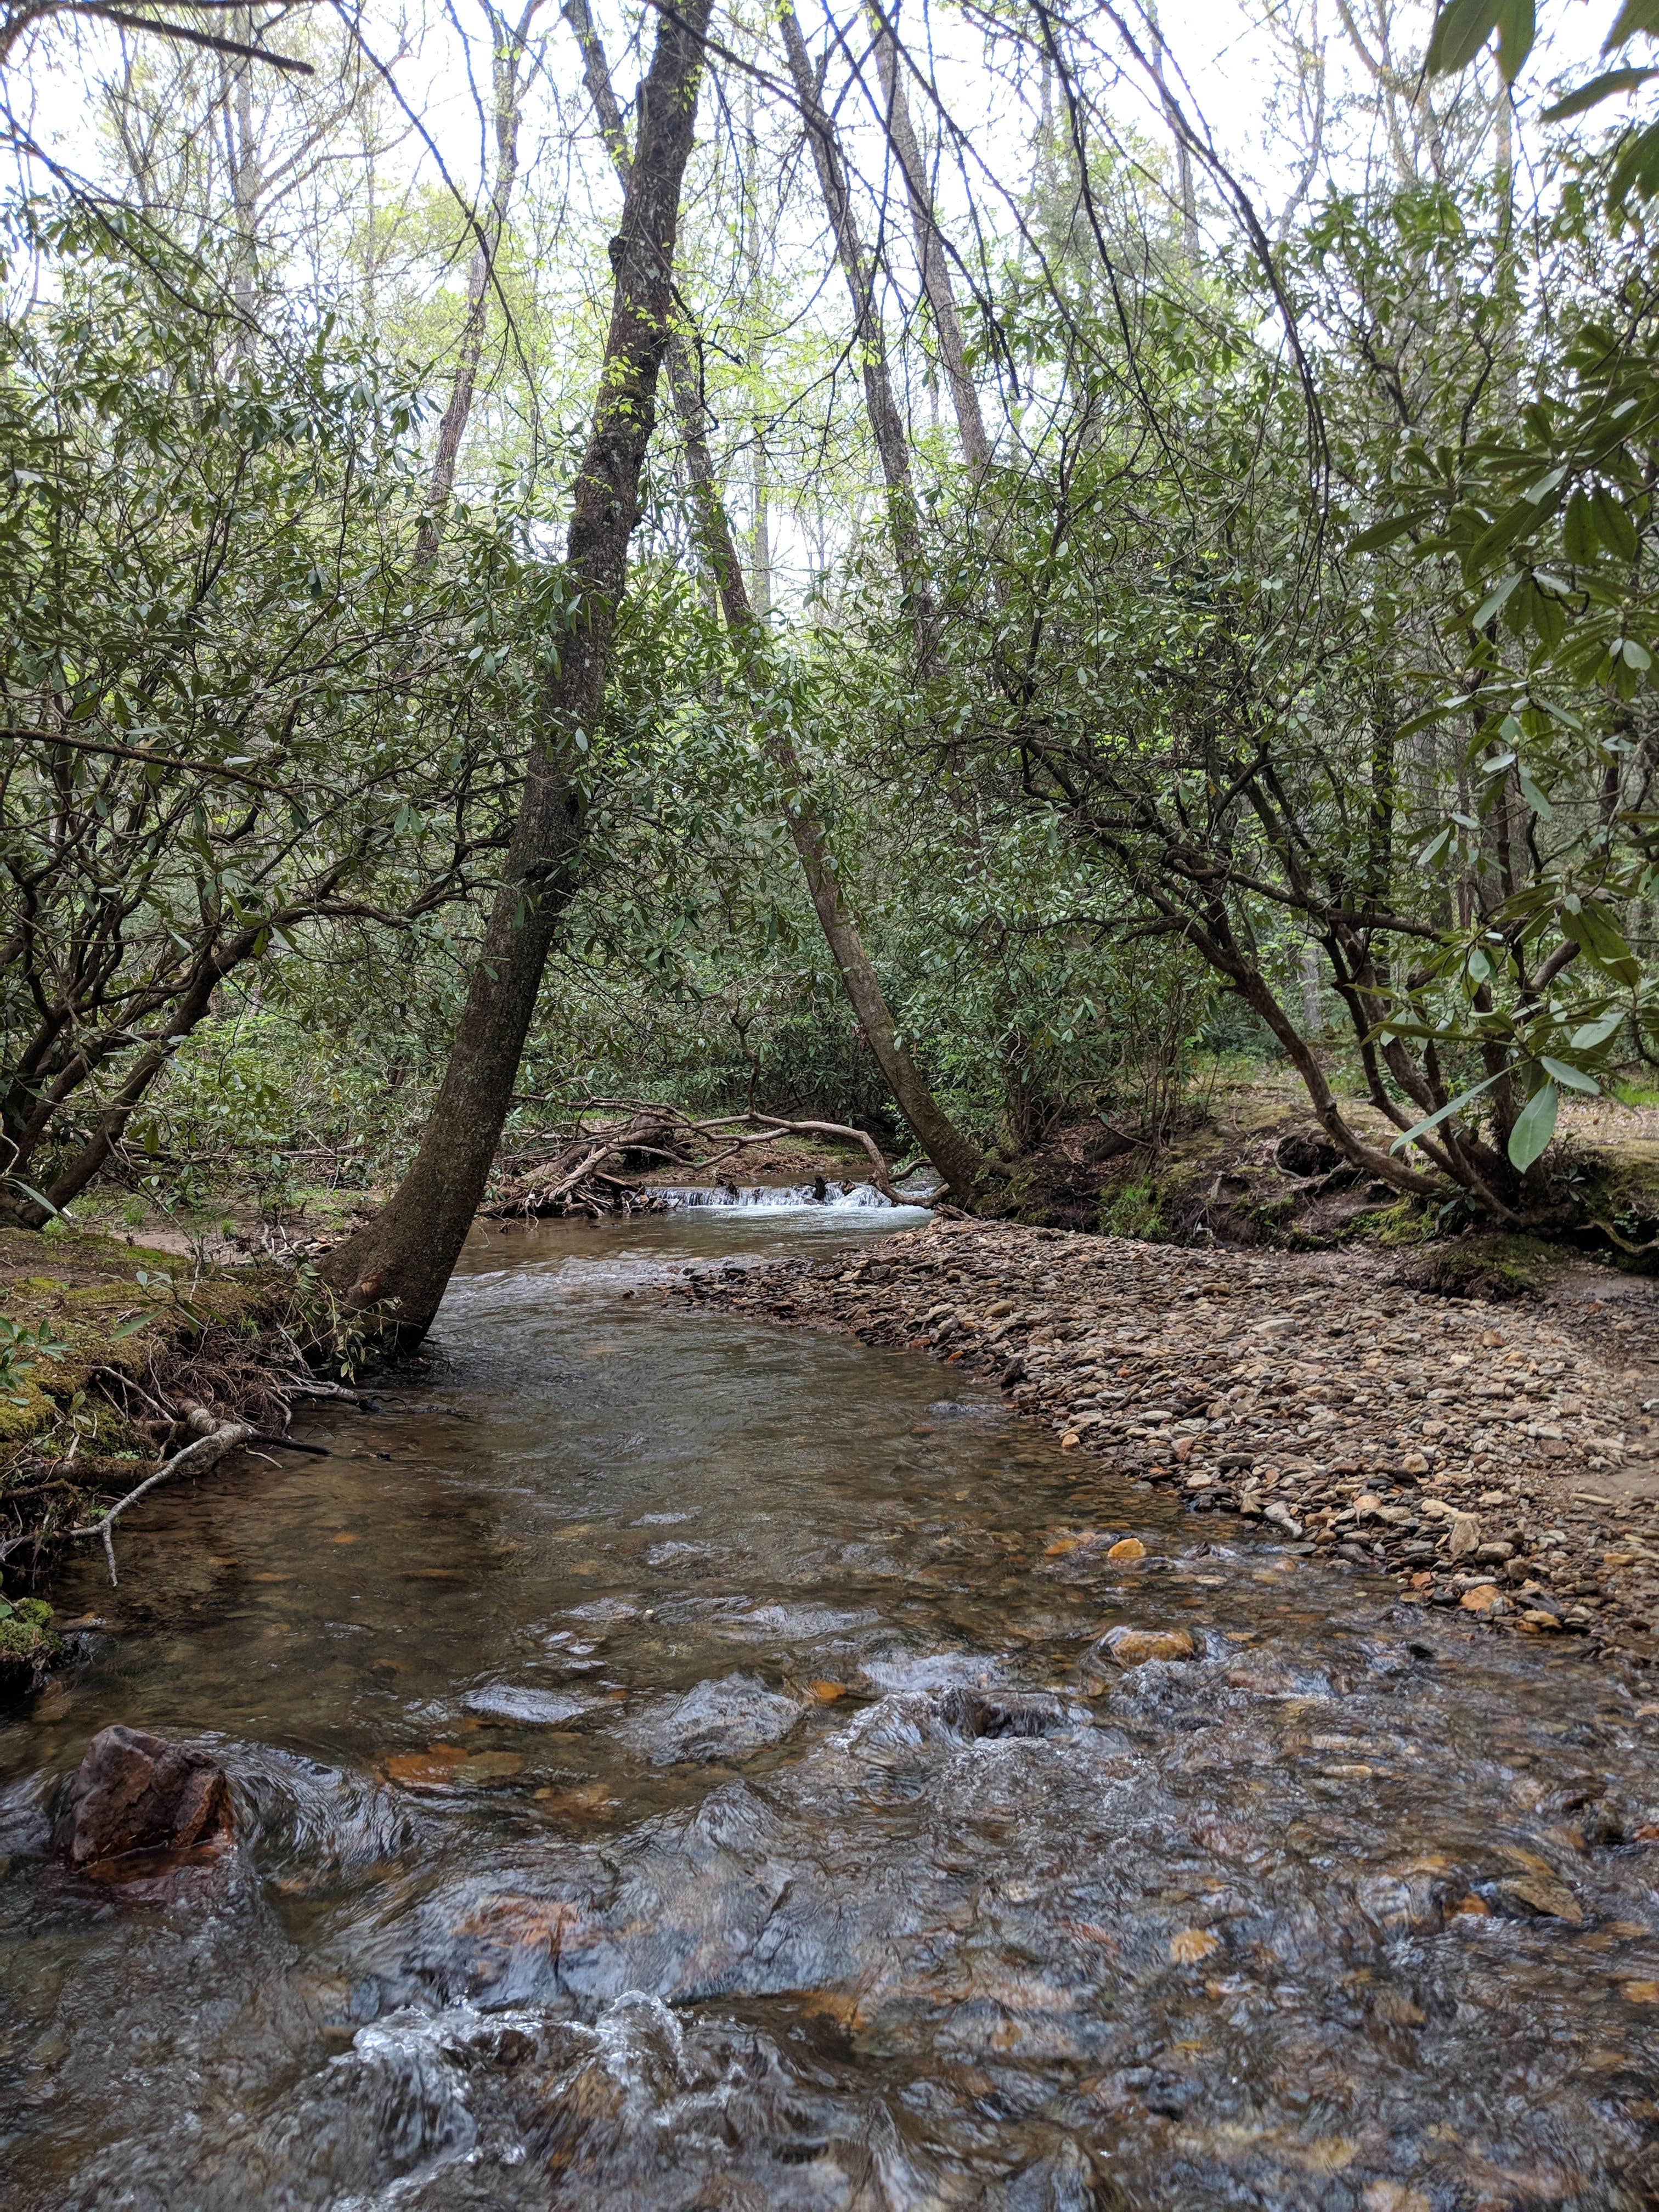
(878, 1174)
(648, 1130)
(206, 1452)
(307, 1387)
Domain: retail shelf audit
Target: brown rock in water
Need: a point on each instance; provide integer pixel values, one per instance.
(1134, 1647)
(136, 1798)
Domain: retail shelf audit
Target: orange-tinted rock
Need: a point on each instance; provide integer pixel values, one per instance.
(1134, 1647)
(136, 1798)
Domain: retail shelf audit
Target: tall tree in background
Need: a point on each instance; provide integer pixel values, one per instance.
(406, 1254)
(951, 1153)
(931, 255)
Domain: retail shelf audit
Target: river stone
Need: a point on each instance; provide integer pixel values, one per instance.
(136, 1796)
(509, 1701)
(1134, 1647)
(720, 1720)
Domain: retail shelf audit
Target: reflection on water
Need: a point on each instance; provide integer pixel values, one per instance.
(680, 1775)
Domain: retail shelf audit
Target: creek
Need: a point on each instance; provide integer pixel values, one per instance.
(677, 1770)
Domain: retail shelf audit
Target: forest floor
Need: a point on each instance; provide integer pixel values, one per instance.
(1501, 1462)
(1249, 1166)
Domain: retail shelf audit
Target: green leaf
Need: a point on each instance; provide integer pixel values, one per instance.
(1613, 525)
(1432, 851)
(1384, 533)
(1460, 29)
(1596, 1032)
(1531, 793)
(1492, 605)
(1416, 1129)
(1579, 532)
(1594, 931)
(1517, 28)
(1634, 16)
(1636, 169)
(1608, 86)
(1574, 1077)
(1515, 522)
(1535, 1127)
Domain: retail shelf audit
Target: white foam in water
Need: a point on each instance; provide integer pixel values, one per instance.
(765, 1197)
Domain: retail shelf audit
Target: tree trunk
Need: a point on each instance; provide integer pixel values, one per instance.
(945, 1144)
(930, 249)
(886, 423)
(405, 1256)
(507, 59)
(951, 1152)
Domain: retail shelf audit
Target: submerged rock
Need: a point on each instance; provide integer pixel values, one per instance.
(1134, 1647)
(720, 1720)
(513, 1701)
(136, 1799)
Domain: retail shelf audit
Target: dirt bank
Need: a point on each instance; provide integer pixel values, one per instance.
(1499, 1460)
(117, 1358)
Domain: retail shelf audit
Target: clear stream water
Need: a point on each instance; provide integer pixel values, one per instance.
(678, 1778)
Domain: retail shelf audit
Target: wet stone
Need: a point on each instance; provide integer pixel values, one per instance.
(722, 1720)
(1134, 1647)
(137, 1800)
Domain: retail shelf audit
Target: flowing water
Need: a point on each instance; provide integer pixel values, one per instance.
(677, 1775)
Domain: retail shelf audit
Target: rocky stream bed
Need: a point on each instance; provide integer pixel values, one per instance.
(1500, 1460)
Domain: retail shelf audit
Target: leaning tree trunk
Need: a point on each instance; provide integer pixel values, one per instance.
(405, 1256)
(951, 1152)
(945, 1144)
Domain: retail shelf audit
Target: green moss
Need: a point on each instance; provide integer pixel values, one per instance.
(29, 1645)
(1407, 1222)
(84, 1291)
(1134, 1209)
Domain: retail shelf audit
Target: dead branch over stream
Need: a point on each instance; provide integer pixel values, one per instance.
(601, 1170)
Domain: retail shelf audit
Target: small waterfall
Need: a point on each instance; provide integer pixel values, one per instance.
(826, 1195)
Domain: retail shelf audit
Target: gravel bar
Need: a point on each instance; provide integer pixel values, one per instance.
(1499, 1460)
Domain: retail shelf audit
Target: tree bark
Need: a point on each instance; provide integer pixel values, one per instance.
(930, 249)
(951, 1152)
(404, 1257)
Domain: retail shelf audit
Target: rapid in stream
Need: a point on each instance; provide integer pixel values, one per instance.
(675, 1772)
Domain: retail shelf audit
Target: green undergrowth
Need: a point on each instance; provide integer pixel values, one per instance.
(1134, 1209)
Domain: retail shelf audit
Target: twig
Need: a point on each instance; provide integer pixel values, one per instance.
(205, 1452)
(308, 1388)
(115, 1375)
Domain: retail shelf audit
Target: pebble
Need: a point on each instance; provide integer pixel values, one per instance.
(1444, 1442)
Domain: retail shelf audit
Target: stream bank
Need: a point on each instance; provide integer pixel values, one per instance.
(1499, 1462)
(116, 1356)
(700, 1763)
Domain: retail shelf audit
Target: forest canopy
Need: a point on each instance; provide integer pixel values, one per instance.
(927, 568)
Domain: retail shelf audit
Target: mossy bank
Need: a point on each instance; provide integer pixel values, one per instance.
(108, 1350)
